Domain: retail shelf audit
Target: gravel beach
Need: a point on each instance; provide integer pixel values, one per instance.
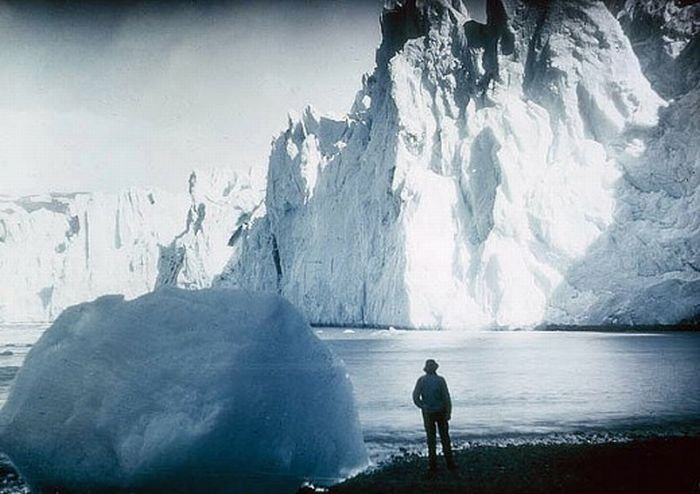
(669, 465)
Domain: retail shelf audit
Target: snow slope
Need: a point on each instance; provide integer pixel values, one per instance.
(60, 249)
(508, 174)
(212, 391)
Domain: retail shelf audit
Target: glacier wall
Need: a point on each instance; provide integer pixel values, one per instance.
(509, 174)
(646, 266)
(57, 250)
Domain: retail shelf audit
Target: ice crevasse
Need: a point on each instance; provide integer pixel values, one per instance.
(181, 391)
(509, 174)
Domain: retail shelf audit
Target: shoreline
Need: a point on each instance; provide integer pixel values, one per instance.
(645, 465)
(649, 465)
(680, 327)
(692, 326)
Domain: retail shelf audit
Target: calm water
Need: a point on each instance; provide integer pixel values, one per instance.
(505, 385)
(525, 385)
(15, 343)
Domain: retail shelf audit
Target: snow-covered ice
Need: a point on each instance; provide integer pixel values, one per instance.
(509, 174)
(543, 168)
(57, 250)
(181, 391)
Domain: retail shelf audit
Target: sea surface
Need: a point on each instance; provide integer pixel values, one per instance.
(15, 342)
(525, 386)
(507, 387)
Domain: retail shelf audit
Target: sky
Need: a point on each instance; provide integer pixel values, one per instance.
(100, 96)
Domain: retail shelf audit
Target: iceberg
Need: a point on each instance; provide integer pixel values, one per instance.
(512, 174)
(208, 390)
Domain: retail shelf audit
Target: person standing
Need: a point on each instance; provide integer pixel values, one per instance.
(433, 398)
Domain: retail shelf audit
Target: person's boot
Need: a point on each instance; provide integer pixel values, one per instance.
(432, 465)
(432, 470)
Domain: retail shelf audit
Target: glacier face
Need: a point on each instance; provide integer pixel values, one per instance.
(508, 174)
(57, 250)
(646, 267)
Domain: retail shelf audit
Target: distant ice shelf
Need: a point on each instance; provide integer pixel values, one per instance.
(57, 250)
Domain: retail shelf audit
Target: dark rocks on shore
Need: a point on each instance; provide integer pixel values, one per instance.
(669, 465)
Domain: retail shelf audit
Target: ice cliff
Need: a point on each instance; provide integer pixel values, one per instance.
(57, 250)
(509, 174)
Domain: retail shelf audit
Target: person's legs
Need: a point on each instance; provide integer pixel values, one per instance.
(444, 429)
(429, 423)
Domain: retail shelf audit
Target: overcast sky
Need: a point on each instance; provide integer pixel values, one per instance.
(98, 96)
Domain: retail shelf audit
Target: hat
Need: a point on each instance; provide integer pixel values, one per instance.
(430, 365)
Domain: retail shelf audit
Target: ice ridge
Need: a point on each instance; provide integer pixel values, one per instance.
(510, 174)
